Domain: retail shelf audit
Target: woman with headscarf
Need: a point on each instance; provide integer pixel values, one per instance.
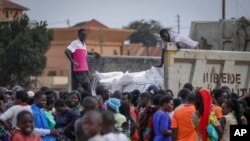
(75, 102)
(113, 105)
(204, 119)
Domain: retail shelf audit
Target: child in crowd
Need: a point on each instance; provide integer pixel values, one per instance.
(134, 130)
(231, 112)
(89, 103)
(145, 117)
(243, 108)
(219, 96)
(113, 105)
(26, 124)
(92, 125)
(103, 95)
(156, 100)
(110, 133)
(162, 121)
(63, 119)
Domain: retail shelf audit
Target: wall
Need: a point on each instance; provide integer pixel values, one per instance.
(1, 15)
(208, 69)
(57, 82)
(56, 60)
(122, 63)
(222, 35)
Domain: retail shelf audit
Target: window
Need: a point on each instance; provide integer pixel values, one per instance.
(61, 73)
(115, 52)
(6, 14)
(52, 73)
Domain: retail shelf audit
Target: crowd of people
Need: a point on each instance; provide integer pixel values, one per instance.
(153, 115)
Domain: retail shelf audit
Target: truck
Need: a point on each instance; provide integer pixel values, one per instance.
(201, 68)
(227, 63)
(207, 68)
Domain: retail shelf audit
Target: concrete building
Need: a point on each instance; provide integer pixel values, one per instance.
(10, 10)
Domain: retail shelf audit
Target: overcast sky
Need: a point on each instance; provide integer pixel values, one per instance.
(119, 13)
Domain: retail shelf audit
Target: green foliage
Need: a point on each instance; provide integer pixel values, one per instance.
(145, 32)
(22, 51)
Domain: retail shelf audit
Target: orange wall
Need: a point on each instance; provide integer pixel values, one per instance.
(56, 60)
(1, 14)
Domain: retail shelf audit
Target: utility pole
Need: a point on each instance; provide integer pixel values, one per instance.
(236, 3)
(101, 39)
(68, 22)
(70, 80)
(223, 9)
(178, 24)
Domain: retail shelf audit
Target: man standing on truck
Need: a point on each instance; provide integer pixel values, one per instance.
(77, 53)
(179, 40)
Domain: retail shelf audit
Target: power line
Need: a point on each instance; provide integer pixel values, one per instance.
(178, 23)
(59, 22)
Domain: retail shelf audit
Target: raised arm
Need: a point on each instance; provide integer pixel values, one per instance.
(162, 59)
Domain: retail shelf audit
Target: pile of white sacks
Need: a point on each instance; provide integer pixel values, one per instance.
(129, 81)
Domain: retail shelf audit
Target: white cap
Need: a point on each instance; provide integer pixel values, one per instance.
(30, 94)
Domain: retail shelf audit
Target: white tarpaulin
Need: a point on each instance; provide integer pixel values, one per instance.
(127, 82)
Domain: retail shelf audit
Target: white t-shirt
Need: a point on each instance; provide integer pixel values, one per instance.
(12, 113)
(114, 137)
(79, 55)
(186, 41)
(171, 114)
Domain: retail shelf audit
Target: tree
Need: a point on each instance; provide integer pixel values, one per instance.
(22, 51)
(145, 32)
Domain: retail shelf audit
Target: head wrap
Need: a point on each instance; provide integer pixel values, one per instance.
(204, 118)
(16, 89)
(153, 89)
(114, 104)
(30, 94)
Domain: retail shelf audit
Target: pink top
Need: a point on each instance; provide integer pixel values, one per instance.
(79, 55)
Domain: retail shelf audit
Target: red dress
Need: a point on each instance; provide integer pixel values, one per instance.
(18, 136)
(134, 133)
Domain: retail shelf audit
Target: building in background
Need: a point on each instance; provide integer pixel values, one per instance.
(10, 10)
(100, 38)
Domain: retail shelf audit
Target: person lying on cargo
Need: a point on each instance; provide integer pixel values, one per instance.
(179, 40)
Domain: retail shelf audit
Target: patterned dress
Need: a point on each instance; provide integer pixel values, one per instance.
(230, 120)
